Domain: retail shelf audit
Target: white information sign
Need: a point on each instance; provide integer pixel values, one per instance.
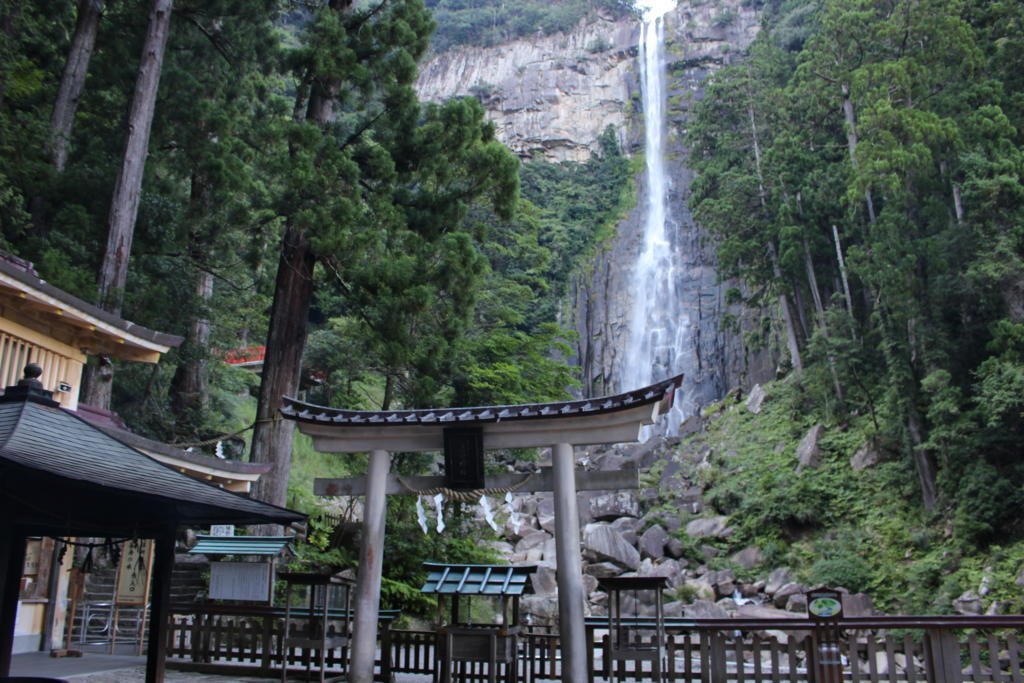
(240, 581)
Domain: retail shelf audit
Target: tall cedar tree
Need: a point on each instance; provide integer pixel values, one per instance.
(364, 164)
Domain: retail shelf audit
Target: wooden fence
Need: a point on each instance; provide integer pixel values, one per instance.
(246, 641)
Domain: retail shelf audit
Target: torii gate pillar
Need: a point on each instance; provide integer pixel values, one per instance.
(371, 564)
(567, 552)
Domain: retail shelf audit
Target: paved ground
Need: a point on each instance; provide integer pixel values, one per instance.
(103, 668)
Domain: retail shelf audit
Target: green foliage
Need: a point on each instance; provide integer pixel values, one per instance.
(489, 22)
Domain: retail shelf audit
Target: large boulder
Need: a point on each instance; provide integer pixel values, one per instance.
(777, 579)
(752, 611)
(607, 544)
(602, 570)
(629, 527)
(755, 399)
(546, 514)
(704, 609)
(609, 506)
(858, 605)
(542, 609)
(544, 581)
(724, 582)
(534, 539)
(781, 597)
(749, 557)
(866, 456)
(808, 452)
(709, 527)
(652, 542)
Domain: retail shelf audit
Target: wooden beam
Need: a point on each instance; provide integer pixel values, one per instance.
(12, 561)
(541, 481)
(160, 605)
(620, 426)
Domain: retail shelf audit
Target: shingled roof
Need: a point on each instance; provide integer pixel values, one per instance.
(307, 412)
(54, 466)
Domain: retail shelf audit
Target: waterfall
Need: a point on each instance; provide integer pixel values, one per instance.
(658, 325)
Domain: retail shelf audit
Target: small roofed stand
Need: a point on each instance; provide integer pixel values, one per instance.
(632, 636)
(323, 625)
(60, 476)
(247, 581)
(463, 645)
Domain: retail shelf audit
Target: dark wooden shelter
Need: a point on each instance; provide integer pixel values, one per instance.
(60, 476)
(460, 641)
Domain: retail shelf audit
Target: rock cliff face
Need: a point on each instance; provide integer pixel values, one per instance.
(550, 96)
(553, 96)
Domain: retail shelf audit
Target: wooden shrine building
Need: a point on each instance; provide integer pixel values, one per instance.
(60, 476)
(463, 434)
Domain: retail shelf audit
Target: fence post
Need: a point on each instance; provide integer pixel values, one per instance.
(716, 667)
(942, 656)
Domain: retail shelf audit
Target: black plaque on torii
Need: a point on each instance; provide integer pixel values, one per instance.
(464, 458)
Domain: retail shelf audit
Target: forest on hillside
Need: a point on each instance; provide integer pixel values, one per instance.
(283, 185)
(862, 172)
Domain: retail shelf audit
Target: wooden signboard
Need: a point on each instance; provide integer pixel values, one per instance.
(240, 581)
(133, 572)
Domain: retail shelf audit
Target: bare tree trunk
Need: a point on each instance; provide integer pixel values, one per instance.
(191, 379)
(272, 436)
(73, 80)
(792, 339)
(851, 143)
(924, 462)
(846, 282)
(124, 204)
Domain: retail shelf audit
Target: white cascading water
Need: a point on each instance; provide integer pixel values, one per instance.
(657, 325)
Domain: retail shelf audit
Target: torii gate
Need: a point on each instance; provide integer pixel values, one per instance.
(560, 425)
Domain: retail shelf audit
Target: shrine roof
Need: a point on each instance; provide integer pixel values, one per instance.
(240, 545)
(307, 412)
(99, 330)
(476, 579)
(56, 466)
(611, 419)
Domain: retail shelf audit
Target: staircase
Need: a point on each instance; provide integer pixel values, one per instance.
(94, 616)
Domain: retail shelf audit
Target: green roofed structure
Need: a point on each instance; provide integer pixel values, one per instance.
(476, 579)
(461, 642)
(241, 545)
(61, 476)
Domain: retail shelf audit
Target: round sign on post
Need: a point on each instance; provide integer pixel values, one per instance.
(825, 606)
(824, 603)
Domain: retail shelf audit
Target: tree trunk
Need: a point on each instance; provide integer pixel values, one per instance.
(272, 436)
(124, 204)
(10, 11)
(286, 338)
(792, 339)
(73, 80)
(851, 143)
(924, 462)
(191, 379)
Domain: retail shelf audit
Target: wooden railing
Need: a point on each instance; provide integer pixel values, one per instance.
(246, 641)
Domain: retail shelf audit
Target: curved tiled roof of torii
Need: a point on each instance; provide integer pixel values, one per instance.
(310, 413)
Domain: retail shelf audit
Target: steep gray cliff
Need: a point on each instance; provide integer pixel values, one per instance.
(553, 96)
